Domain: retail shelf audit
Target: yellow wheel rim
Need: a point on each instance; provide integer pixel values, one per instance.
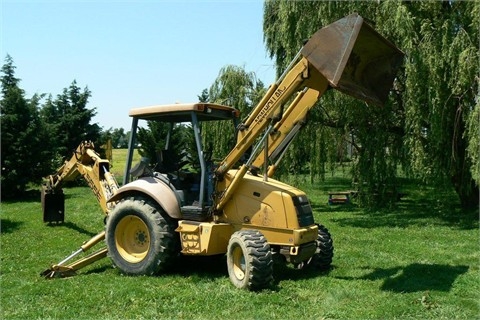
(238, 263)
(132, 239)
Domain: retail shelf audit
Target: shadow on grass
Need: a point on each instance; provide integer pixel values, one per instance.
(419, 205)
(334, 184)
(201, 266)
(32, 195)
(288, 272)
(8, 226)
(415, 277)
(326, 208)
(96, 270)
(72, 226)
(205, 268)
(216, 267)
(408, 213)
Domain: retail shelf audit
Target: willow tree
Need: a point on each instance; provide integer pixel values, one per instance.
(428, 123)
(237, 88)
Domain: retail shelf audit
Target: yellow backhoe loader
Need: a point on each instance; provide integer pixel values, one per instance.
(234, 206)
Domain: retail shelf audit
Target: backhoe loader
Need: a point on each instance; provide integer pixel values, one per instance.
(234, 206)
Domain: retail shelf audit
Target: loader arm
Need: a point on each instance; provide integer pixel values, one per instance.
(285, 130)
(263, 115)
(84, 162)
(347, 55)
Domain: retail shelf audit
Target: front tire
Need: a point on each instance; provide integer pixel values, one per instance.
(140, 237)
(249, 260)
(323, 256)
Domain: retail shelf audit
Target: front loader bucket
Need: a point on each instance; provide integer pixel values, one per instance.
(354, 58)
(53, 205)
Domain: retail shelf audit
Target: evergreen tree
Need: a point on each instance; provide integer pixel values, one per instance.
(22, 136)
(152, 145)
(69, 120)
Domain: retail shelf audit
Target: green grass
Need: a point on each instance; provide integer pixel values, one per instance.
(419, 260)
(119, 157)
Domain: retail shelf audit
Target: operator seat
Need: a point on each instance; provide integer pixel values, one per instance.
(169, 162)
(166, 161)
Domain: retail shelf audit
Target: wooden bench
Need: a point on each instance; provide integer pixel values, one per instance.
(339, 197)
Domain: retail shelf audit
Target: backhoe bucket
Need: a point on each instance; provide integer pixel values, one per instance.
(354, 58)
(53, 205)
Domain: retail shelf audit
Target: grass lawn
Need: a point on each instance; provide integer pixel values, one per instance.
(119, 156)
(419, 260)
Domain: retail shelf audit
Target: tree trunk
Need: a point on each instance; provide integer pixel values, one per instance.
(462, 180)
(468, 195)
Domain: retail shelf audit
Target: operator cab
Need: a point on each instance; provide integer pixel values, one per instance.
(181, 159)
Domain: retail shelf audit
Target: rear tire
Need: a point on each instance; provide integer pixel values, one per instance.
(249, 260)
(140, 237)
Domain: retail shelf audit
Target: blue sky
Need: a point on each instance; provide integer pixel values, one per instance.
(131, 53)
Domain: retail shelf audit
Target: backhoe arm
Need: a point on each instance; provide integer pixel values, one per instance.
(84, 162)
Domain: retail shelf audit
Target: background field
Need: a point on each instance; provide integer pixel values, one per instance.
(419, 260)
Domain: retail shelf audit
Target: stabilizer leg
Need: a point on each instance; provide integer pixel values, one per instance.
(61, 270)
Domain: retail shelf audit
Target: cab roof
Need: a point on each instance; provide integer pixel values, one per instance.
(183, 112)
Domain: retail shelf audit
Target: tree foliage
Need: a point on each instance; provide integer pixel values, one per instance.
(440, 91)
(118, 137)
(237, 88)
(36, 138)
(22, 136)
(152, 142)
(68, 120)
(430, 123)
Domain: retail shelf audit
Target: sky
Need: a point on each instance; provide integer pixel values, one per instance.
(131, 53)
